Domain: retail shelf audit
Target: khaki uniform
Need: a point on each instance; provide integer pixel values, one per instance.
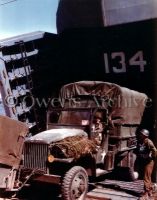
(98, 129)
(145, 161)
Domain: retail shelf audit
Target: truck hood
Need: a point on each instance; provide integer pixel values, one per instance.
(12, 134)
(54, 135)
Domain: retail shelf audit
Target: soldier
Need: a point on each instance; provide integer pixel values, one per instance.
(146, 153)
(97, 128)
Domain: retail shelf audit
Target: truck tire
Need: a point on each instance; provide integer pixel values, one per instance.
(131, 174)
(75, 184)
(125, 174)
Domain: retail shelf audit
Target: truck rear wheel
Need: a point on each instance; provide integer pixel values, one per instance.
(75, 184)
(125, 174)
(132, 175)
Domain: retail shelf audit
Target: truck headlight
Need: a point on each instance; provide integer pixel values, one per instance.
(50, 158)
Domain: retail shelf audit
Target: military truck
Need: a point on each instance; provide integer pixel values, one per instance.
(71, 151)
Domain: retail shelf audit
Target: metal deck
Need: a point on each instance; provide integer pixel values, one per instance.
(116, 190)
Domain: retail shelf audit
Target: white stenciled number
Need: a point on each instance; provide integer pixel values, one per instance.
(120, 61)
(121, 57)
(106, 63)
(138, 60)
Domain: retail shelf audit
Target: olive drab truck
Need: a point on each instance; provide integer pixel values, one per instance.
(71, 151)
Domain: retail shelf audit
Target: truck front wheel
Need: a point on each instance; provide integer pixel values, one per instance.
(75, 184)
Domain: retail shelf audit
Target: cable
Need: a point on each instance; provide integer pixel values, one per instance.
(7, 2)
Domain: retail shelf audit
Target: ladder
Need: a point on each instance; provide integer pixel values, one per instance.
(28, 73)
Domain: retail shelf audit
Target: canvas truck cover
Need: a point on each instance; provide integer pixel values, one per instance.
(123, 104)
(12, 134)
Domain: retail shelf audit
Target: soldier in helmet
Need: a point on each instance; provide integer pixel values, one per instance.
(146, 153)
(97, 128)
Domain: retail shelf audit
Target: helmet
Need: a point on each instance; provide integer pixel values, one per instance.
(145, 132)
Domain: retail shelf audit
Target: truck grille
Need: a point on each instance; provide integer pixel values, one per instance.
(35, 156)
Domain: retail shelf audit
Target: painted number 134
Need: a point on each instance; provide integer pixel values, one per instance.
(120, 59)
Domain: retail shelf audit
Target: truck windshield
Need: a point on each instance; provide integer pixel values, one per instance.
(70, 117)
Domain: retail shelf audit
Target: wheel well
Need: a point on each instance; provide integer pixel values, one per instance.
(88, 162)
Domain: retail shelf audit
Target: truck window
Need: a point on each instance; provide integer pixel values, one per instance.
(74, 117)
